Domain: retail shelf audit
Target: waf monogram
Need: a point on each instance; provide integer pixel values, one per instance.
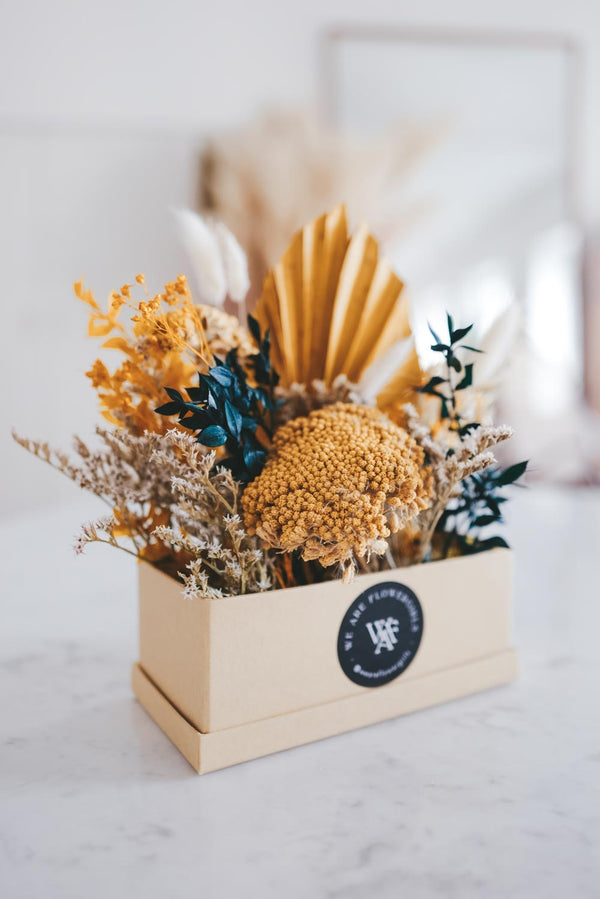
(383, 633)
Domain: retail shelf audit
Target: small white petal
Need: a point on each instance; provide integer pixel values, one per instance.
(204, 253)
(497, 345)
(234, 262)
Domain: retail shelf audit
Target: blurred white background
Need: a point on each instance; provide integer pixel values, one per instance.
(103, 112)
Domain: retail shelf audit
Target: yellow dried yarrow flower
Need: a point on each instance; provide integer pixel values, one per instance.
(336, 484)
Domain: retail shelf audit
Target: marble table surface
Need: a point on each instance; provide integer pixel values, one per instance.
(497, 795)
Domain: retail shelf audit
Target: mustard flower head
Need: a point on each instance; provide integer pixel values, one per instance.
(336, 484)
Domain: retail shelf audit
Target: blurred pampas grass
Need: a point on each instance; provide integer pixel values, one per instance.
(283, 169)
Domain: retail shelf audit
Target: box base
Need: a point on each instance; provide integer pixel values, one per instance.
(211, 751)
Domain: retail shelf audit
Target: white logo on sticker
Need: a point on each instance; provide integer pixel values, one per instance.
(383, 633)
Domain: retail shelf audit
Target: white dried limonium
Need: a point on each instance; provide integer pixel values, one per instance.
(206, 525)
(451, 461)
(100, 530)
(171, 506)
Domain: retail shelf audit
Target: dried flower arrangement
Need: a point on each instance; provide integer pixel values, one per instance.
(311, 444)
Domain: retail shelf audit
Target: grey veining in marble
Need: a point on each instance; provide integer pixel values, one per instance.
(493, 796)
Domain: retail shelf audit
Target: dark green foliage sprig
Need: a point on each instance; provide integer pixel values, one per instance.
(479, 504)
(458, 377)
(478, 507)
(227, 411)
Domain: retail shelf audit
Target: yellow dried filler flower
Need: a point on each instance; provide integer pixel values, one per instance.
(168, 340)
(336, 484)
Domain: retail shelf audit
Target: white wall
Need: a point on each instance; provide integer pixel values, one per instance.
(84, 85)
(198, 65)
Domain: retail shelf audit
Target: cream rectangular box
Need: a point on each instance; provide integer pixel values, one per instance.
(233, 679)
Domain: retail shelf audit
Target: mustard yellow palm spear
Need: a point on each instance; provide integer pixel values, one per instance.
(334, 306)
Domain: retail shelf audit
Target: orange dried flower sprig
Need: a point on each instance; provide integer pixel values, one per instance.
(336, 484)
(168, 341)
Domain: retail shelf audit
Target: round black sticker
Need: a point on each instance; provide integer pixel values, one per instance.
(380, 634)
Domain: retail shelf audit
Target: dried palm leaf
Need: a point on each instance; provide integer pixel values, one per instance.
(334, 306)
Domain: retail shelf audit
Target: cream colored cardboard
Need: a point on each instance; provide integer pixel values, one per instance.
(227, 665)
(211, 752)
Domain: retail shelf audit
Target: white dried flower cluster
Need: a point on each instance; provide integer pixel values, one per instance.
(302, 399)
(225, 560)
(121, 471)
(101, 530)
(166, 493)
(234, 561)
(450, 462)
